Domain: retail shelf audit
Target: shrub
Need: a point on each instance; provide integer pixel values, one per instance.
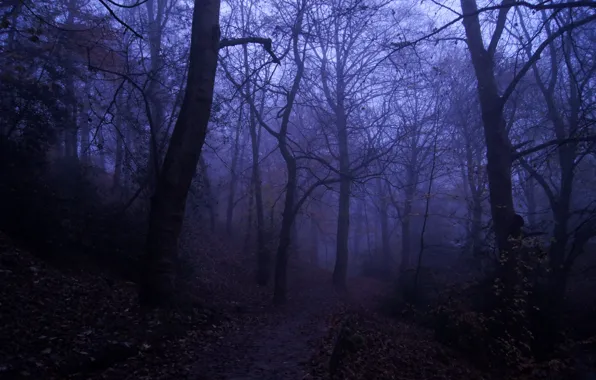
(498, 321)
(57, 211)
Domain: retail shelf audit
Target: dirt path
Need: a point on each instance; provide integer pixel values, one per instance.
(275, 345)
(276, 349)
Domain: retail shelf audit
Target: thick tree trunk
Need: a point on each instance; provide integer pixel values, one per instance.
(495, 131)
(263, 260)
(340, 270)
(288, 218)
(290, 209)
(168, 202)
(155, 18)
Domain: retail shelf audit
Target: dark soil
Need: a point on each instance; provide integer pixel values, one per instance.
(68, 324)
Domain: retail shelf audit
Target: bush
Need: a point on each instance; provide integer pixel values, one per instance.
(499, 323)
(57, 212)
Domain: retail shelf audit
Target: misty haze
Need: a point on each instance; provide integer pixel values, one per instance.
(298, 189)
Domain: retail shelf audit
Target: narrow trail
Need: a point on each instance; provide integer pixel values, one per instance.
(276, 350)
(277, 345)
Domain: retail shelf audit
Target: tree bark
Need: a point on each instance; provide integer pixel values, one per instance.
(234, 175)
(263, 257)
(406, 235)
(385, 243)
(84, 124)
(155, 18)
(290, 206)
(281, 257)
(168, 202)
(340, 271)
(495, 130)
(250, 209)
(406, 216)
(211, 199)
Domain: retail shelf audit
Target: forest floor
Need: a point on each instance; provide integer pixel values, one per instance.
(74, 324)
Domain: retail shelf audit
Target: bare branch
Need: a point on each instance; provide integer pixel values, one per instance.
(140, 2)
(501, 20)
(558, 143)
(266, 42)
(308, 192)
(398, 46)
(536, 56)
(113, 14)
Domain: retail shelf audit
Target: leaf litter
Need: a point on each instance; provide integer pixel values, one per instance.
(67, 324)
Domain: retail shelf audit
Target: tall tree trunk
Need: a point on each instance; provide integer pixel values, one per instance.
(340, 271)
(406, 217)
(495, 131)
(263, 259)
(369, 245)
(565, 125)
(155, 13)
(288, 218)
(425, 220)
(234, 175)
(168, 202)
(290, 207)
(406, 237)
(385, 243)
(84, 123)
(211, 199)
(250, 210)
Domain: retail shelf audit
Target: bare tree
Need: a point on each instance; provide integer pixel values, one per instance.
(344, 48)
(492, 103)
(179, 166)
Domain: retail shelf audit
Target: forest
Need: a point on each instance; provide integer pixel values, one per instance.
(298, 189)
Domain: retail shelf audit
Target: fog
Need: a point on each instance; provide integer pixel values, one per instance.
(438, 149)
